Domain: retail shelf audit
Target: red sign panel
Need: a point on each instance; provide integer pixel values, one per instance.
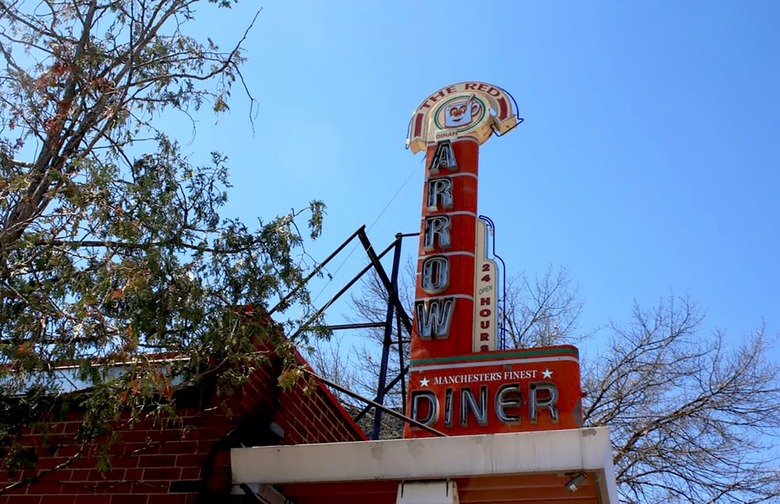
(508, 391)
(444, 295)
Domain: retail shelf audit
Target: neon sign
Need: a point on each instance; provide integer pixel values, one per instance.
(458, 381)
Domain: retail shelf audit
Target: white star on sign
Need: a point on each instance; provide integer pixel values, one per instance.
(424, 382)
(547, 374)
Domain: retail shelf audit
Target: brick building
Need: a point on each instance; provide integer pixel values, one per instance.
(185, 462)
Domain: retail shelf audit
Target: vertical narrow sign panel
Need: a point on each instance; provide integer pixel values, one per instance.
(485, 295)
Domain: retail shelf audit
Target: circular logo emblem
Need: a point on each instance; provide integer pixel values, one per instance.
(460, 113)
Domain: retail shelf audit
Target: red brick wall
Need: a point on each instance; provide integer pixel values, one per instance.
(182, 463)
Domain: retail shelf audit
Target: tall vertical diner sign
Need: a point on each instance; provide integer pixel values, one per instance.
(458, 382)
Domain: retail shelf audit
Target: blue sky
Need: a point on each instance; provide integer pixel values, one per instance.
(648, 161)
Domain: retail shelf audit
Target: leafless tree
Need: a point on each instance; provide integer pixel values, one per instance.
(369, 304)
(543, 310)
(337, 361)
(692, 418)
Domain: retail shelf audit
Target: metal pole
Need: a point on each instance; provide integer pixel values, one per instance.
(376, 405)
(384, 278)
(386, 341)
(374, 261)
(315, 271)
(401, 365)
(388, 388)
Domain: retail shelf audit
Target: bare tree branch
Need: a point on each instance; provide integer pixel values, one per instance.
(692, 419)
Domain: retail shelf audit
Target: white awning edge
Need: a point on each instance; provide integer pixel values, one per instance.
(433, 458)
